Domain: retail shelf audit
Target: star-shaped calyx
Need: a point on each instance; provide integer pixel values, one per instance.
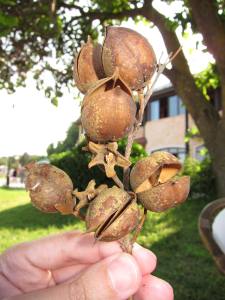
(107, 156)
(85, 197)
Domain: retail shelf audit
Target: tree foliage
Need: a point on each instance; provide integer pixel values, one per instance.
(75, 163)
(42, 36)
(69, 142)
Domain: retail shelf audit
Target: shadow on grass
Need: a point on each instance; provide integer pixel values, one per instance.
(183, 261)
(27, 216)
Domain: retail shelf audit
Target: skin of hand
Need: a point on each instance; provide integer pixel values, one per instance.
(72, 266)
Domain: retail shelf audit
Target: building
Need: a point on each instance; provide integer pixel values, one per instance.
(166, 122)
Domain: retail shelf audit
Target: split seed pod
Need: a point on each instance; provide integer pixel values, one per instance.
(108, 111)
(112, 214)
(153, 179)
(88, 67)
(131, 53)
(49, 186)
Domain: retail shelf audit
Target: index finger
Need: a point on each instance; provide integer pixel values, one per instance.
(64, 249)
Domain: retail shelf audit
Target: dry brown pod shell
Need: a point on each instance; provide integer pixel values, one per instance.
(131, 53)
(112, 214)
(108, 111)
(154, 180)
(49, 186)
(152, 170)
(88, 67)
(166, 195)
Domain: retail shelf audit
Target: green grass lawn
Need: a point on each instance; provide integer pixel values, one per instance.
(173, 236)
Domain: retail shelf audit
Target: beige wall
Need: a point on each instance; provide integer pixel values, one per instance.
(166, 132)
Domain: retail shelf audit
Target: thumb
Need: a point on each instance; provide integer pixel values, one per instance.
(114, 278)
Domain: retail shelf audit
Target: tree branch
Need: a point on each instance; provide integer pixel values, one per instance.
(212, 28)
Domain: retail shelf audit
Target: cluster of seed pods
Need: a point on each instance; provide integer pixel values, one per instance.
(108, 74)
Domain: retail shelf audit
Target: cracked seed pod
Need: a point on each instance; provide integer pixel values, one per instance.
(153, 179)
(152, 170)
(108, 111)
(166, 195)
(112, 214)
(49, 186)
(88, 67)
(131, 53)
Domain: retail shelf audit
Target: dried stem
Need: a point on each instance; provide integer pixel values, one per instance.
(139, 227)
(143, 100)
(116, 179)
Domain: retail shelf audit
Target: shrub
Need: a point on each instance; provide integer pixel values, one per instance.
(75, 163)
(202, 178)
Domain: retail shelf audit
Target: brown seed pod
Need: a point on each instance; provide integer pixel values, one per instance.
(108, 111)
(166, 195)
(48, 187)
(88, 67)
(131, 53)
(152, 170)
(112, 214)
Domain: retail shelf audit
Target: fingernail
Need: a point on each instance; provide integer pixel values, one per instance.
(125, 275)
(139, 248)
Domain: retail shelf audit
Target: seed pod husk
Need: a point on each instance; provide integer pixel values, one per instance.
(166, 195)
(112, 214)
(153, 170)
(88, 67)
(131, 53)
(108, 111)
(48, 186)
(121, 225)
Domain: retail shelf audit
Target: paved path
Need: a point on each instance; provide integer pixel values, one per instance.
(14, 183)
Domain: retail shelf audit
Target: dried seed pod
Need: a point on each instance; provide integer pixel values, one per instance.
(166, 195)
(153, 179)
(108, 111)
(152, 170)
(88, 67)
(131, 53)
(49, 186)
(112, 214)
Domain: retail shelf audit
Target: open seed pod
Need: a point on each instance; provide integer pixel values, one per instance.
(49, 186)
(153, 179)
(152, 170)
(108, 111)
(112, 214)
(166, 195)
(131, 53)
(88, 67)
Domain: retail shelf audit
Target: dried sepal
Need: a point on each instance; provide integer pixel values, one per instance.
(50, 188)
(107, 156)
(88, 67)
(85, 197)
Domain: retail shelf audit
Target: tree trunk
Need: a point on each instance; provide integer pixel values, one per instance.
(207, 119)
(218, 158)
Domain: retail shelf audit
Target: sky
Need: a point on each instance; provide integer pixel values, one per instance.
(28, 120)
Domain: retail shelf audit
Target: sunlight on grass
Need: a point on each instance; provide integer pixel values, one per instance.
(173, 236)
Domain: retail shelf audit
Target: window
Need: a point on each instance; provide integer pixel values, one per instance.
(165, 107)
(154, 110)
(175, 106)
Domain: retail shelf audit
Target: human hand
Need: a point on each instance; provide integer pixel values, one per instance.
(70, 266)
